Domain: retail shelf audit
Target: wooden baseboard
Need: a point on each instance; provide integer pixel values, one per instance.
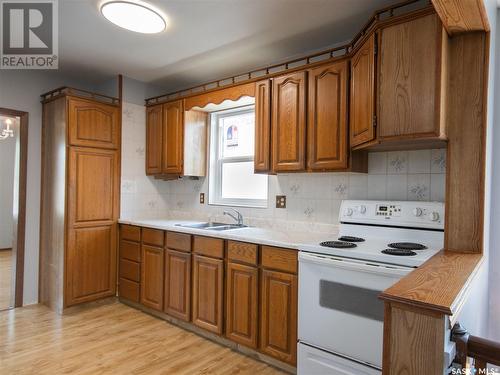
(6, 249)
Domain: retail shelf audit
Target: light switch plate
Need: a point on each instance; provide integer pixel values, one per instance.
(281, 201)
(202, 198)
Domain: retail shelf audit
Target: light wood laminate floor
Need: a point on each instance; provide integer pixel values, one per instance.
(110, 338)
(5, 278)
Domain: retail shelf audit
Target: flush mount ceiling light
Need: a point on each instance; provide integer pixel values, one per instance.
(134, 15)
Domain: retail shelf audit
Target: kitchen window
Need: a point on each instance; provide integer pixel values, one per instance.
(232, 178)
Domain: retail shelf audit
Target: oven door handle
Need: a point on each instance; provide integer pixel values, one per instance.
(351, 264)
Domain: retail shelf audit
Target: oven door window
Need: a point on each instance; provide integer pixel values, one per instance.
(351, 300)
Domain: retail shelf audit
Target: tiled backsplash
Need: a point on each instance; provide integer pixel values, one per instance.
(313, 199)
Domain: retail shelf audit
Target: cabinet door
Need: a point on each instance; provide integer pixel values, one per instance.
(154, 138)
(409, 78)
(92, 210)
(289, 122)
(362, 96)
(93, 124)
(327, 121)
(262, 159)
(152, 277)
(173, 137)
(178, 284)
(278, 327)
(90, 263)
(207, 293)
(241, 304)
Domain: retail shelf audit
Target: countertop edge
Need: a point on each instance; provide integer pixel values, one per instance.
(439, 285)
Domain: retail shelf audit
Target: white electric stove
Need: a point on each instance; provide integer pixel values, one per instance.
(340, 314)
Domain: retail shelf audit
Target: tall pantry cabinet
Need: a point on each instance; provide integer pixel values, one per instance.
(80, 198)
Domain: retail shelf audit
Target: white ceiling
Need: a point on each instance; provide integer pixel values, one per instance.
(205, 39)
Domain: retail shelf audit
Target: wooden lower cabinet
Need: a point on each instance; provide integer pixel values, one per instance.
(242, 304)
(177, 298)
(208, 279)
(278, 315)
(90, 263)
(152, 268)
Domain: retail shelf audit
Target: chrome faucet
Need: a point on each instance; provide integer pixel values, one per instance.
(238, 218)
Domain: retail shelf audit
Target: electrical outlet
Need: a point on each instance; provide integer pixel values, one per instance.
(202, 198)
(281, 201)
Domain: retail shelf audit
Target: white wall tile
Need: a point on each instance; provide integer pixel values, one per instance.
(397, 162)
(438, 161)
(419, 187)
(377, 163)
(397, 187)
(438, 187)
(377, 186)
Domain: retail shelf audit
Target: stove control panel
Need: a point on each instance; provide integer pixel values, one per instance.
(394, 213)
(388, 210)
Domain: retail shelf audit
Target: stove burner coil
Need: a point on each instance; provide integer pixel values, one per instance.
(399, 252)
(407, 246)
(338, 244)
(351, 239)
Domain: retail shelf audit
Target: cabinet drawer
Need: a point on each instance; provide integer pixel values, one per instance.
(130, 270)
(279, 259)
(212, 247)
(242, 252)
(179, 241)
(129, 290)
(153, 237)
(130, 250)
(130, 232)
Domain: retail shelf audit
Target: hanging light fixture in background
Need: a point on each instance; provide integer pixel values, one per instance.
(7, 131)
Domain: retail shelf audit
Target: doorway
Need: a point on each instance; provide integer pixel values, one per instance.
(13, 163)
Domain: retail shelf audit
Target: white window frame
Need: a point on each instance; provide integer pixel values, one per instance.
(216, 163)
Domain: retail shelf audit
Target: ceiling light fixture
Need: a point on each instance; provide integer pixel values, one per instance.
(134, 15)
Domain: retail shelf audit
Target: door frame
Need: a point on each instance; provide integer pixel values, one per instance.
(20, 220)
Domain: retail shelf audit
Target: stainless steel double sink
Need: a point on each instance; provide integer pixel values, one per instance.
(212, 226)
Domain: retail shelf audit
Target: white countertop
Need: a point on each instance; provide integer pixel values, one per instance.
(273, 237)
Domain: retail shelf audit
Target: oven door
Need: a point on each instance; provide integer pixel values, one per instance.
(339, 308)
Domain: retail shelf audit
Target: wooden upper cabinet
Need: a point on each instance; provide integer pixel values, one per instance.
(327, 117)
(409, 79)
(278, 328)
(173, 137)
(262, 159)
(177, 301)
(242, 304)
(362, 94)
(93, 185)
(152, 273)
(154, 136)
(208, 279)
(93, 124)
(289, 122)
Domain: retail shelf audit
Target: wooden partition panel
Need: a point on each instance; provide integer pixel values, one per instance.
(466, 123)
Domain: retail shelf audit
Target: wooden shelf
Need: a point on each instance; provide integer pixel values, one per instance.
(439, 285)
